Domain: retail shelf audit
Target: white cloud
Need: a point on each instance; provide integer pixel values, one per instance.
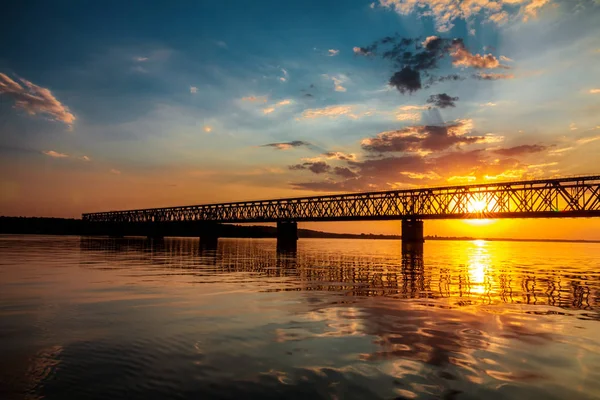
(193, 89)
(333, 52)
(55, 154)
(35, 99)
(141, 59)
(85, 158)
(445, 12)
(506, 59)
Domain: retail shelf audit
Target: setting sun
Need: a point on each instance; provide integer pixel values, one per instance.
(477, 206)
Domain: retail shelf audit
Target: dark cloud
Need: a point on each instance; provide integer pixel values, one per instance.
(389, 172)
(344, 172)
(422, 137)
(317, 167)
(416, 59)
(406, 80)
(287, 145)
(520, 150)
(442, 100)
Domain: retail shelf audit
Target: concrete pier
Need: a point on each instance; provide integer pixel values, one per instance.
(287, 236)
(412, 235)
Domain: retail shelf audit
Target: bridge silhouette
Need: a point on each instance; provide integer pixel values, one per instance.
(567, 197)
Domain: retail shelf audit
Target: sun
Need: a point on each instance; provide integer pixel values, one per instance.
(477, 206)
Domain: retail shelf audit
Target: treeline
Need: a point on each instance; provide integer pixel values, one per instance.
(66, 226)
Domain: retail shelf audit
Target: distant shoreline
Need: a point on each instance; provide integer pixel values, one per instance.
(71, 226)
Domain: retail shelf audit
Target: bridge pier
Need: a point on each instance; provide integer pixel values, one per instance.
(412, 235)
(155, 230)
(209, 235)
(287, 235)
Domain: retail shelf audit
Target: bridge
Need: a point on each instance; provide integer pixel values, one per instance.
(567, 197)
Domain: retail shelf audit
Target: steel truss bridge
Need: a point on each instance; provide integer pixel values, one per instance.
(543, 198)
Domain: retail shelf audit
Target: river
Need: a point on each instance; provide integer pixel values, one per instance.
(104, 318)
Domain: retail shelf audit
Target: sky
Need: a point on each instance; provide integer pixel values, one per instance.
(118, 105)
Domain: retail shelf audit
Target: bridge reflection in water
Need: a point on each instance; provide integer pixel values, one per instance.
(455, 274)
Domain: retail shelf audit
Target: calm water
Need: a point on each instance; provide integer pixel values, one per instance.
(341, 319)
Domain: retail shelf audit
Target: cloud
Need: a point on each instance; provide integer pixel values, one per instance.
(521, 150)
(337, 81)
(330, 112)
(35, 99)
(416, 59)
(488, 104)
(406, 80)
(573, 126)
(258, 99)
(338, 155)
(141, 59)
(207, 128)
(408, 116)
(361, 51)
(463, 58)
(193, 89)
(284, 78)
(587, 140)
(594, 91)
(442, 100)
(492, 77)
(221, 43)
(318, 167)
(115, 171)
(506, 59)
(85, 158)
(55, 154)
(414, 139)
(344, 172)
(273, 107)
(332, 52)
(287, 145)
(411, 108)
(446, 12)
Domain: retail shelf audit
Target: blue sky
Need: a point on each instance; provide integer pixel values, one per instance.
(137, 104)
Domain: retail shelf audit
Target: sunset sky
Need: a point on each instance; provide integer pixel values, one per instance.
(116, 105)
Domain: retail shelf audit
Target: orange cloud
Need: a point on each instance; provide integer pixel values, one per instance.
(261, 99)
(35, 99)
(55, 154)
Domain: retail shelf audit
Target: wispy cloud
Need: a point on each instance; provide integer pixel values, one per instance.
(115, 171)
(55, 154)
(287, 145)
(338, 155)
(207, 128)
(338, 80)
(270, 109)
(332, 112)
(493, 77)
(284, 78)
(332, 52)
(193, 89)
(257, 99)
(85, 158)
(594, 91)
(35, 99)
(141, 59)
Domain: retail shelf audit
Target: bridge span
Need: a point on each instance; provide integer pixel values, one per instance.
(567, 197)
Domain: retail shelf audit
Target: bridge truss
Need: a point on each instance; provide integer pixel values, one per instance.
(544, 198)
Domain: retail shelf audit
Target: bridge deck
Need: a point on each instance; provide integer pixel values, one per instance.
(543, 198)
